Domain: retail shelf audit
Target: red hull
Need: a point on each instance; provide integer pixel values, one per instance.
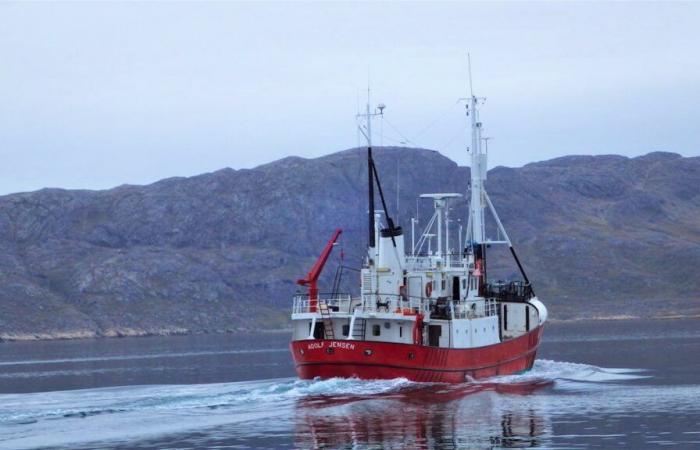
(385, 360)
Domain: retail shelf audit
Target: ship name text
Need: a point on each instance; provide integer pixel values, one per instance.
(332, 344)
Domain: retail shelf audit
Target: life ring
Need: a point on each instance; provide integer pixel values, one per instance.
(478, 268)
(428, 289)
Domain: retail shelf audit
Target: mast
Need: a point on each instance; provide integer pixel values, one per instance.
(478, 176)
(370, 178)
(373, 176)
(476, 185)
(370, 193)
(479, 198)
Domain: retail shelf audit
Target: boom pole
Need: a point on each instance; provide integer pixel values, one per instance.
(311, 279)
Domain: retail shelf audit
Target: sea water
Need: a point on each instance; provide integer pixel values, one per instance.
(615, 384)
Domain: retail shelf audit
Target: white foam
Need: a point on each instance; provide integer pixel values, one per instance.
(545, 369)
(138, 412)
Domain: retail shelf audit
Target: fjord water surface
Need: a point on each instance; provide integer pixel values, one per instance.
(614, 384)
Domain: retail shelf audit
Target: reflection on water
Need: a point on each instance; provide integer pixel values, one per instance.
(519, 431)
(422, 417)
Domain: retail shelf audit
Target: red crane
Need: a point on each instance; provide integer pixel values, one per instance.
(312, 277)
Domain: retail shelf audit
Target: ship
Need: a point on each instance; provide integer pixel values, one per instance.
(428, 313)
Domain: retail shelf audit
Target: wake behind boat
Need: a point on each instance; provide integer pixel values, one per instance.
(430, 314)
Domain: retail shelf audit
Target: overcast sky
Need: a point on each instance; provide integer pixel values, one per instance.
(94, 95)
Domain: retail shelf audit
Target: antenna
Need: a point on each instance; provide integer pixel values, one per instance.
(486, 143)
(372, 175)
(381, 124)
(357, 131)
(398, 184)
(469, 64)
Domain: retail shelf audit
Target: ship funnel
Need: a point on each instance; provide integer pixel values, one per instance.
(391, 249)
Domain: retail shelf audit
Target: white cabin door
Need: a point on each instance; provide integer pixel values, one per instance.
(415, 288)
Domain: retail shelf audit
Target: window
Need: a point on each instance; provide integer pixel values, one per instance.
(319, 331)
(387, 325)
(376, 330)
(455, 288)
(443, 284)
(400, 331)
(346, 330)
(527, 318)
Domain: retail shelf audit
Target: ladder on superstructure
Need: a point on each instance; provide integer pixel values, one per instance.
(359, 329)
(327, 322)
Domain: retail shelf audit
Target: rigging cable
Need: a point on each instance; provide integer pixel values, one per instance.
(440, 116)
(403, 136)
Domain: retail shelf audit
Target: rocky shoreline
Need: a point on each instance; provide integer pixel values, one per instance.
(121, 333)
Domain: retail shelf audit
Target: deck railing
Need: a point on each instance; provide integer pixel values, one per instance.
(369, 303)
(426, 262)
(513, 291)
(392, 303)
(466, 311)
(335, 302)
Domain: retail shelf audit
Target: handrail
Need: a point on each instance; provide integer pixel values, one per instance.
(514, 291)
(427, 261)
(367, 303)
(396, 304)
(464, 310)
(303, 303)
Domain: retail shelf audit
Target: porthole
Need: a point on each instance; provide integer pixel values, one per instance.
(330, 350)
(368, 352)
(411, 356)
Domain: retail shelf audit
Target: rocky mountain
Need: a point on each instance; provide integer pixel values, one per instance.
(598, 235)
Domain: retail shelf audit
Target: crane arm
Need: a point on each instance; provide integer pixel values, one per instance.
(315, 272)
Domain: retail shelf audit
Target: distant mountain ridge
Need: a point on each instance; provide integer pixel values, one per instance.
(599, 235)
